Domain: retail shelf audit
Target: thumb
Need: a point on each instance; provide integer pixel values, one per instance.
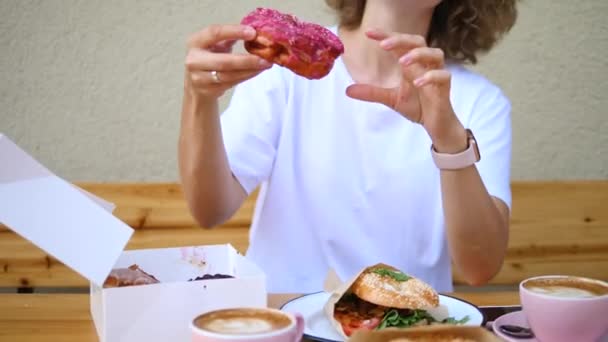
(369, 93)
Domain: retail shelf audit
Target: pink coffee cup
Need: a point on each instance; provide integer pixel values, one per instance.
(565, 308)
(247, 324)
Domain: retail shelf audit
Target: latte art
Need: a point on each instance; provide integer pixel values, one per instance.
(567, 287)
(242, 322)
(562, 291)
(239, 325)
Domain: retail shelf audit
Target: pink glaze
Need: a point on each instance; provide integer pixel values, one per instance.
(307, 49)
(286, 29)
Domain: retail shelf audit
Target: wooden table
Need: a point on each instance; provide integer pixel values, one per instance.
(66, 317)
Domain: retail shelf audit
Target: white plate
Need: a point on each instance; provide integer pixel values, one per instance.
(318, 327)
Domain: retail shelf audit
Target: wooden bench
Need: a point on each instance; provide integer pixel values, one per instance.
(557, 227)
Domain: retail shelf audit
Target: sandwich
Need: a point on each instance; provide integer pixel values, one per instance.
(384, 297)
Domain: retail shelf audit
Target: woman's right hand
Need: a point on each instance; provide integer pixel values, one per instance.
(212, 68)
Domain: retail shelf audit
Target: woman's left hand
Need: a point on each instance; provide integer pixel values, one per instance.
(423, 95)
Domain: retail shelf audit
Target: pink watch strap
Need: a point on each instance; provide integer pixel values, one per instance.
(457, 161)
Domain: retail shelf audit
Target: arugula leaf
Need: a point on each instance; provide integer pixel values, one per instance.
(390, 319)
(398, 276)
(393, 319)
(452, 320)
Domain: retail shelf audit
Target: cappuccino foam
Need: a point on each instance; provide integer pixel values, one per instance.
(567, 287)
(242, 322)
(239, 325)
(562, 291)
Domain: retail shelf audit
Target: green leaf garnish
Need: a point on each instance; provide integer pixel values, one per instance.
(398, 276)
(452, 320)
(392, 318)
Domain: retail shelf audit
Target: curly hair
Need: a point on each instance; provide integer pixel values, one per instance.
(462, 29)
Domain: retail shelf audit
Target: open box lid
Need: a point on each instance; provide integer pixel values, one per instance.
(65, 221)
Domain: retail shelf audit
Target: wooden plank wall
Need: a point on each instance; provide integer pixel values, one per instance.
(557, 227)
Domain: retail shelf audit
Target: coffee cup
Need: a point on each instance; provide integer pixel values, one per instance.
(565, 308)
(247, 324)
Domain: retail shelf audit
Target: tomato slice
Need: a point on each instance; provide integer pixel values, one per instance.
(348, 331)
(368, 324)
(355, 314)
(372, 323)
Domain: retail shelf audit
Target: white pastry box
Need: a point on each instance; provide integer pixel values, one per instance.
(163, 311)
(79, 229)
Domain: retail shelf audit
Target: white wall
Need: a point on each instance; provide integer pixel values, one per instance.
(93, 88)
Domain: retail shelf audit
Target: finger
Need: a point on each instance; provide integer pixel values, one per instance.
(402, 42)
(226, 79)
(412, 72)
(217, 33)
(198, 60)
(201, 79)
(429, 57)
(440, 78)
(223, 46)
(369, 93)
(377, 34)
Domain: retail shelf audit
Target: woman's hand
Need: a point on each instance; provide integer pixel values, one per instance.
(423, 95)
(212, 68)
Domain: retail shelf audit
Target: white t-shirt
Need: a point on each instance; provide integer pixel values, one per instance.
(346, 184)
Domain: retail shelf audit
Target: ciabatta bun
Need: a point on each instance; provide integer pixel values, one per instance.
(386, 291)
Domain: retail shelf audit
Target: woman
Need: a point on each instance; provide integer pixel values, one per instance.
(347, 173)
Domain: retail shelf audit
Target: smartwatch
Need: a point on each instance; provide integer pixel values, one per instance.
(461, 160)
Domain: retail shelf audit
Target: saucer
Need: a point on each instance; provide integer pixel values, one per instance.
(513, 318)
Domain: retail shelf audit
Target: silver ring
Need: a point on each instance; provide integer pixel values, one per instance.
(216, 77)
